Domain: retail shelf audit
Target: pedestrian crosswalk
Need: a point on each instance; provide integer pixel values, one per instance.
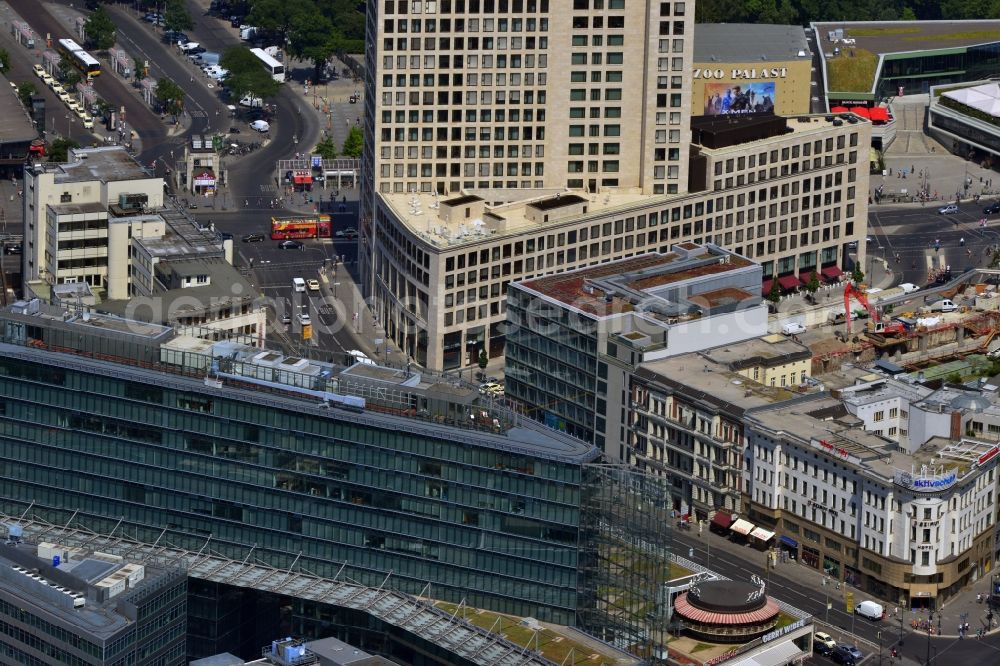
(268, 188)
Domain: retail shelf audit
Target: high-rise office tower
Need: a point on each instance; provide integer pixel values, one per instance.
(508, 94)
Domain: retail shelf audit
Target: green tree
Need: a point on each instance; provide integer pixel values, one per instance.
(313, 37)
(24, 93)
(484, 359)
(171, 95)
(812, 286)
(774, 295)
(354, 143)
(857, 275)
(247, 74)
(176, 16)
(276, 16)
(326, 149)
(100, 29)
(4, 60)
(69, 74)
(59, 149)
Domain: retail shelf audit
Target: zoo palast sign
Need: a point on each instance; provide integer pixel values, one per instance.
(737, 73)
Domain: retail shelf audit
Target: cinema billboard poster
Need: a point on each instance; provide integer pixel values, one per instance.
(723, 99)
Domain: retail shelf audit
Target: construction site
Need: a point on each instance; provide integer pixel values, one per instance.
(908, 326)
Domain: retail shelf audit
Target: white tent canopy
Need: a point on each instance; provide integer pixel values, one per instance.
(985, 98)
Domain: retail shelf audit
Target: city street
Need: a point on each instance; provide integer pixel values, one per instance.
(910, 231)
(803, 587)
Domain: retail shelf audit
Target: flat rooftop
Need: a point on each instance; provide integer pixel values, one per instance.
(712, 382)
(524, 437)
(619, 286)
(769, 350)
(749, 43)
(50, 592)
(106, 164)
(506, 212)
(16, 126)
(105, 324)
(904, 36)
(798, 125)
(78, 208)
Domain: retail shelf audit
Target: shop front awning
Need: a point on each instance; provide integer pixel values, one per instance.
(879, 114)
(762, 534)
(788, 282)
(765, 287)
(789, 541)
(204, 179)
(860, 111)
(302, 179)
(831, 272)
(722, 519)
(806, 275)
(838, 109)
(743, 527)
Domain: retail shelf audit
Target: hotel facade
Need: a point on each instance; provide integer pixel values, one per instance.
(501, 146)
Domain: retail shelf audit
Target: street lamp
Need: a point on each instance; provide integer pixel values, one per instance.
(335, 285)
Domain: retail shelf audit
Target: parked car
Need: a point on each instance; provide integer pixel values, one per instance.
(88, 122)
(253, 238)
(39, 70)
(824, 638)
(313, 285)
(793, 328)
(909, 287)
(261, 126)
(187, 46)
(948, 210)
(841, 655)
(289, 245)
(304, 318)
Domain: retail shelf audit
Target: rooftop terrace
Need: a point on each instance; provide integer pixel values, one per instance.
(903, 36)
(105, 164)
(679, 283)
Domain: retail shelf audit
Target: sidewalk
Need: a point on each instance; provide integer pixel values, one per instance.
(960, 608)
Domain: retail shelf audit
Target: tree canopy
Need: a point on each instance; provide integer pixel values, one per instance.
(802, 12)
(176, 16)
(59, 149)
(312, 29)
(247, 74)
(70, 75)
(171, 95)
(25, 91)
(326, 149)
(354, 143)
(4, 60)
(100, 29)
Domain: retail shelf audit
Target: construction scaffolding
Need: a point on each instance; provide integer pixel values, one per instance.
(626, 527)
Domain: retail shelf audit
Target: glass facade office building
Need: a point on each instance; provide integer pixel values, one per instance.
(492, 519)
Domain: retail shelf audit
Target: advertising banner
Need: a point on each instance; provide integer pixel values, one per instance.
(725, 98)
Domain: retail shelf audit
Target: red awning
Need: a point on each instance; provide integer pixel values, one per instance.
(686, 610)
(805, 276)
(765, 287)
(860, 111)
(832, 272)
(838, 109)
(722, 519)
(788, 282)
(879, 113)
(302, 180)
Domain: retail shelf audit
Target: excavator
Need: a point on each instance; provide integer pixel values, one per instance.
(876, 323)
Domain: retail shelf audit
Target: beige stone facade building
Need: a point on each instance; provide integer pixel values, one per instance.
(507, 139)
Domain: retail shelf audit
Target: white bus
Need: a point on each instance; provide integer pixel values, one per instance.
(276, 69)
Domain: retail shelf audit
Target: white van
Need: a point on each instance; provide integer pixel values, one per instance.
(870, 610)
(360, 357)
(944, 305)
(793, 328)
(298, 284)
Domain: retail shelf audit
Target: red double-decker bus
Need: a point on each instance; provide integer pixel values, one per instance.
(316, 226)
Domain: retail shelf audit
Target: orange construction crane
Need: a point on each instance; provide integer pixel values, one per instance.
(876, 325)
